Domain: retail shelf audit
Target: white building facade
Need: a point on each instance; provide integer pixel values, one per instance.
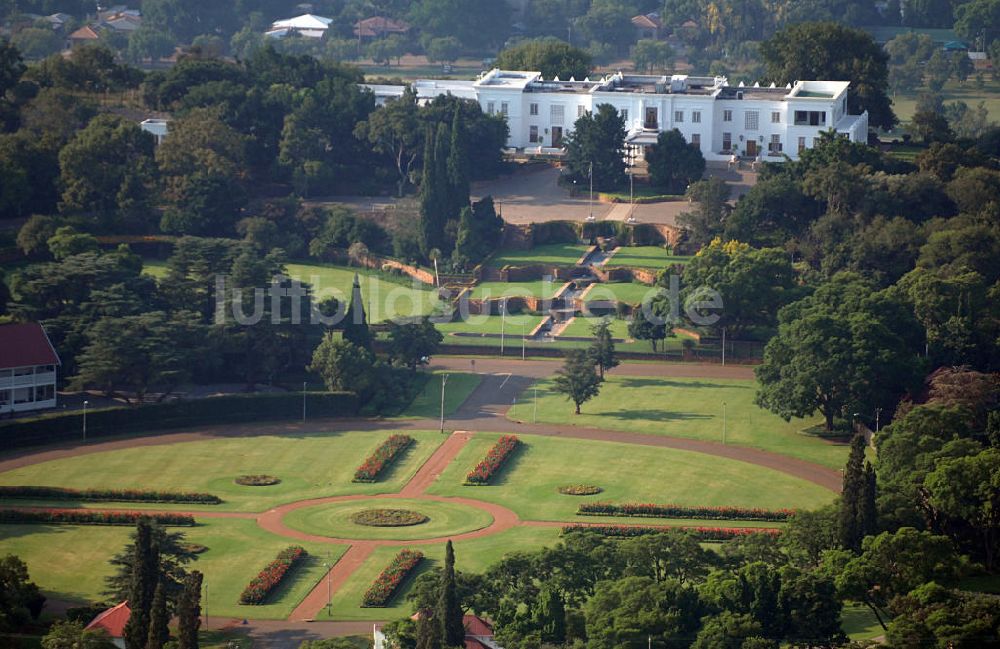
(720, 119)
(28, 363)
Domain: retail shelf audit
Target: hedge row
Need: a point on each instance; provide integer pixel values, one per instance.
(650, 510)
(389, 581)
(118, 420)
(700, 533)
(494, 459)
(90, 517)
(382, 458)
(268, 579)
(119, 495)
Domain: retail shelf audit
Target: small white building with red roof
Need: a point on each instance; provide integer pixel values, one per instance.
(478, 633)
(112, 622)
(28, 363)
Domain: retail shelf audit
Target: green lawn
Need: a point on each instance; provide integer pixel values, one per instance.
(628, 292)
(427, 404)
(580, 327)
(528, 484)
(70, 562)
(470, 556)
(558, 254)
(495, 290)
(512, 325)
(309, 466)
(859, 623)
(653, 257)
(904, 105)
(334, 520)
(689, 408)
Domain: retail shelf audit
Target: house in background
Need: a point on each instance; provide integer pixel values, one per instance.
(158, 128)
(306, 25)
(478, 633)
(83, 36)
(647, 26)
(379, 27)
(112, 622)
(28, 364)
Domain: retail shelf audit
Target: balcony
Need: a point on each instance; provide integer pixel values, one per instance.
(651, 125)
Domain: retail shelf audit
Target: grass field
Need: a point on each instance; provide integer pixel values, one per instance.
(904, 105)
(557, 254)
(529, 481)
(653, 257)
(628, 292)
(688, 408)
(493, 324)
(859, 623)
(580, 327)
(470, 556)
(334, 520)
(427, 404)
(70, 562)
(494, 290)
(308, 465)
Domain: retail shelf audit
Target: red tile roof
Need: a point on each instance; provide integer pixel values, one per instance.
(86, 33)
(23, 345)
(475, 625)
(112, 620)
(378, 25)
(472, 643)
(647, 22)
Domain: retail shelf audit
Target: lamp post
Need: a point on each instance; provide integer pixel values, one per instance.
(522, 342)
(85, 404)
(724, 423)
(591, 174)
(631, 195)
(329, 586)
(878, 411)
(444, 381)
(503, 322)
(534, 406)
(303, 402)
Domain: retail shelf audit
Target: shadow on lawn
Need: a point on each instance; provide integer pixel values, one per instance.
(654, 415)
(641, 382)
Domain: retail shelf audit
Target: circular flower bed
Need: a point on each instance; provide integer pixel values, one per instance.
(580, 490)
(257, 480)
(388, 518)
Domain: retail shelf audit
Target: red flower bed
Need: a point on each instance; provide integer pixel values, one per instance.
(123, 495)
(650, 510)
(382, 458)
(387, 583)
(268, 579)
(701, 533)
(89, 517)
(493, 461)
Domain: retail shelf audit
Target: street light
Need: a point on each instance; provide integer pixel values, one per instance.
(444, 381)
(85, 404)
(878, 411)
(724, 423)
(329, 586)
(591, 174)
(503, 323)
(534, 407)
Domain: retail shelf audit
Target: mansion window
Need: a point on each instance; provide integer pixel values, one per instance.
(810, 118)
(727, 141)
(696, 140)
(727, 116)
(533, 134)
(802, 144)
(775, 117)
(557, 113)
(751, 120)
(678, 116)
(696, 117)
(533, 109)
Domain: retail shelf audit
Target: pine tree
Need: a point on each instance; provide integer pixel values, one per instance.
(458, 168)
(355, 321)
(142, 585)
(428, 632)
(577, 379)
(449, 611)
(442, 187)
(159, 619)
(852, 496)
(189, 612)
(431, 207)
(868, 516)
(602, 350)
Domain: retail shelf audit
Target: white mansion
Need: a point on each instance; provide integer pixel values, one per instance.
(720, 119)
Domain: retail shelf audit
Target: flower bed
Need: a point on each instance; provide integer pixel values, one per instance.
(389, 581)
(122, 495)
(90, 517)
(268, 579)
(493, 461)
(388, 518)
(650, 510)
(580, 490)
(701, 533)
(383, 457)
(257, 480)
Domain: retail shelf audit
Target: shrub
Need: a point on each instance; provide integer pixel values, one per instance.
(382, 458)
(119, 495)
(268, 579)
(257, 480)
(580, 490)
(90, 517)
(388, 518)
(493, 461)
(650, 510)
(701, 533)
(389, 581)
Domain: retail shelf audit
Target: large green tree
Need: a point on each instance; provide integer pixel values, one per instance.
(602, 350)
(189, 612)
(577, 379)
(412, 343)
(144, 577)
(20, 599)
(550, 56)
(448, 612)
(598, 143)
(832, 51)
(673, 163)
(343, 365)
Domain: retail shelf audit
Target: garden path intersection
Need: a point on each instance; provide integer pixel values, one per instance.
(483, 411)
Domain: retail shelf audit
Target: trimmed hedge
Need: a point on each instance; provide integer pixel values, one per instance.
(91, 517)
(700, 533)
(390, 579)
(268, 579)
(120, 420)
(493, 461)
(382, 458)
(651, 510)
(115, 495)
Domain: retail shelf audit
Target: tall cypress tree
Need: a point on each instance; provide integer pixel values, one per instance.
(355, 321)
(159, 619)
(142, 585)
(431, 209)
(442, 187)
(868, 515)
(449, 611)
(189, 612)
(852, 496)
(458, 168)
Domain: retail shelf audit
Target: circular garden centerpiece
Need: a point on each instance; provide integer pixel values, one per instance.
(388, 518)
(396, 519)
(580, 490)
(257, 480)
